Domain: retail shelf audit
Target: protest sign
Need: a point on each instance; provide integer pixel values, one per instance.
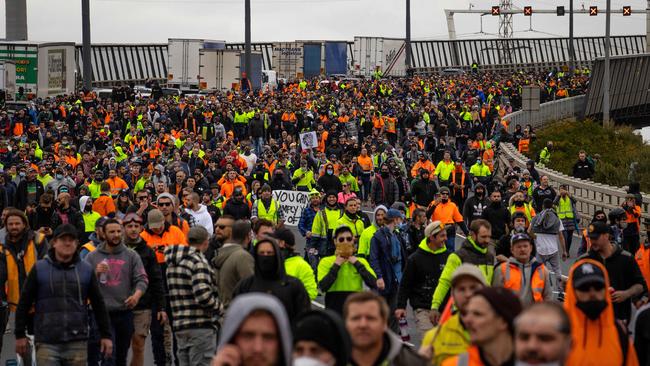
(292, 204)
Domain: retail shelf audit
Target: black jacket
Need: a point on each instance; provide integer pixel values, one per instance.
(583, 169)
(256, 128)
(423, 191)
(420, 279)
(237, 209)
(155, 295)
(289, 290)
(21, 193)
(330, 183)
(498, 217)
(623, 273)
(74, 218)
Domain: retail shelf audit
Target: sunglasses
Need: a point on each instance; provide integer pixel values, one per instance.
(164, 204)
(344, 239)
(589, 286)
(223, 226)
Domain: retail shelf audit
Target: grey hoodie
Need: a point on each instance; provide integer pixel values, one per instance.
(241, 308)
(125, 275)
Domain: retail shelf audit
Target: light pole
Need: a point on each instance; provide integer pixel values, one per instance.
(247, 37)
(606, 121)
(408, 37)
(85, 47)
(572, 51)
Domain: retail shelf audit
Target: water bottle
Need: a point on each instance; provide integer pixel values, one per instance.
(404, 329)
(103, 277)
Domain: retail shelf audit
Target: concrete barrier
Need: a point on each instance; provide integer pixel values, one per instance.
(589, 195)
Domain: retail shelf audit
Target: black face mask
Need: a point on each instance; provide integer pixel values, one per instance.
(496, 204)
(480, 194)
(444, 200)
(384, 174)
(519, 203)
(593, 308)
(267, 265)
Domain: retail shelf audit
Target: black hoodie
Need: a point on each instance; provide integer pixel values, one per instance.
(289, 290)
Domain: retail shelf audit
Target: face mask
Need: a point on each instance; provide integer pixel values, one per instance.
(623, 225)
(444, 200)
(330, 172)
(519, 203)
(59, 176)
(384, 174)
(21, 174)
(478, 162)
(88, 208)
(480, 194)
(308, 361)
(496, 204)
(593, 308)
(267, 265)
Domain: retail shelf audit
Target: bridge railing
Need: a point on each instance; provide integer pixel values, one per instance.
(589, 195)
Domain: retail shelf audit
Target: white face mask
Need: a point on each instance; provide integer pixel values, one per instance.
(308, 361)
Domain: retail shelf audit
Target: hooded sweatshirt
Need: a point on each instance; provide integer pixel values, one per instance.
(366, 235)
(232, 264)
(595, 342)
(125, 274)
(202, 218)
(289, 290)
(243, 306)
(192, 290)
(423, 269)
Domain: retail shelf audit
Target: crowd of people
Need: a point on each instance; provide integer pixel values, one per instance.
(131, 219)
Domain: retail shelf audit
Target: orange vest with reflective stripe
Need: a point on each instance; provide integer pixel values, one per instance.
(470, 358)
(642, 257)
(13, 277)
(523, 145)
(512, 280)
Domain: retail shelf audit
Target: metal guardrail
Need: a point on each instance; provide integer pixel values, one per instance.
(589, 195)
(528, 67)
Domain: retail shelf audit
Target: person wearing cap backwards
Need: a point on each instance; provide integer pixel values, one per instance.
(125, 283)
(448, 214)
(522, 273)
(60, 286)
(343, 273)
(597, 337)
(624, 275)
(267, 207)
(450, 338)
(153, 298)
(294, 264)
(325, 222)
(489, 319)
(320, 339)
(193, 298)
(423, 269)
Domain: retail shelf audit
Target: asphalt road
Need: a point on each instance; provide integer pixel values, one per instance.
(416, 338)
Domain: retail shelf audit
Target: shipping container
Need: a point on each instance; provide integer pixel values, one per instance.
(336, 58)
(8, 79)
(389, 54)
(221, 69)
(288, 60)
(42, 69)
(183, 60)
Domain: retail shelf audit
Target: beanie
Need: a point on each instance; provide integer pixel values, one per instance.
(325, 328)
(504, 303)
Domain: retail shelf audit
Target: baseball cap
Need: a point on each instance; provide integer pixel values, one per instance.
(155, 219)
(444, 189)
(468, 270)
(65, 230)
(519, 237)
(433, 228)
(394, 214)
(587, 273)
(597, 228)
(285, 235)
(197, 235)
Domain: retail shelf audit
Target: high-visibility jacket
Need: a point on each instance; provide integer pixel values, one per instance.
(462, 174)
(448, 339)
(348, 278)
(479, 171)
(356, 226)
(447, 213)
(171, 235)
(271, 214)
(90, 218)
(325, 222)
(524, 145)
(427, 164)
(297, 267)
(527, 209)
(444, 169)
(29, 259)
(513, 279)
(470, 358)
(565, 208)
(363, 249)
(642, 257)
(365, 162)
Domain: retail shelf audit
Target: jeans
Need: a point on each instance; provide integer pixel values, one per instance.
(122, 332)
(258, 144)
(62, 354)
(196, 347)
(568, 238)
(365, 186)
(451, 238)
(93, 344)
(552, 261)
(241, 130)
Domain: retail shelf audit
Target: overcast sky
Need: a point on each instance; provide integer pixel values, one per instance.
(153, 21)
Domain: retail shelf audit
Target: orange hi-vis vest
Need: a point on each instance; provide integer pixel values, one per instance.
(524, 145)
(642, 257)
(12, 288)
(512, 280)
(462, 181)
